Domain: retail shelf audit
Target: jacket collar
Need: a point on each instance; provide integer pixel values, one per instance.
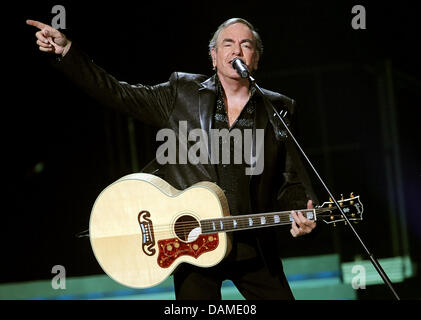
(209, 84)
(207, 101)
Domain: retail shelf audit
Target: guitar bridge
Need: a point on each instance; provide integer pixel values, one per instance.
(148, 240)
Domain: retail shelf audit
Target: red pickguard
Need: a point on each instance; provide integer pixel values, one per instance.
(171, 249)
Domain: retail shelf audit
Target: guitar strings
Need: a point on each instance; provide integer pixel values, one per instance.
(186, 227)
(284, 217)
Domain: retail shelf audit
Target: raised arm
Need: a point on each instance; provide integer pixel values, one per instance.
(150, 104)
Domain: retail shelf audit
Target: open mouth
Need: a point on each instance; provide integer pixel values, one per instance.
(230, 62)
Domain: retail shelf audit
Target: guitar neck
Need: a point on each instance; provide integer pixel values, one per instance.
(251, 221)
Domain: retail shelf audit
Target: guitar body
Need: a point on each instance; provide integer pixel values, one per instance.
(141, 228)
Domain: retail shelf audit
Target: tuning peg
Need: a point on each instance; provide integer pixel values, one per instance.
(330, 205)
(352, 196)
(342, 199)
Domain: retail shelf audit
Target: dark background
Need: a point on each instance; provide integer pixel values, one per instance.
(358, 93)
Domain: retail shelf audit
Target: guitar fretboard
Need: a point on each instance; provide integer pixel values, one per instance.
(243, 222)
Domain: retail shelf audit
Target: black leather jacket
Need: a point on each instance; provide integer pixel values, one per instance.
(284, 183)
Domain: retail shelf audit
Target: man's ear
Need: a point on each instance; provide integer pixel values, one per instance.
(213, 55)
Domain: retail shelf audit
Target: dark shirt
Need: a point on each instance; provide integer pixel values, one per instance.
(232, 176)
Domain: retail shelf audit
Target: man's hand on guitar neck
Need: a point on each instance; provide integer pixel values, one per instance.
(301, 225)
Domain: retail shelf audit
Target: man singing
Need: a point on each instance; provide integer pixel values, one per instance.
(223, 101)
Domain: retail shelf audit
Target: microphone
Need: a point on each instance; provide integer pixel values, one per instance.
(240, 67)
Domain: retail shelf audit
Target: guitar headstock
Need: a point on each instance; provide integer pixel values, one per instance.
(330, 213)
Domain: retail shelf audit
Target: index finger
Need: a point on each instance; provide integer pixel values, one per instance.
(299, 218)
(296, 218)
(37, 24)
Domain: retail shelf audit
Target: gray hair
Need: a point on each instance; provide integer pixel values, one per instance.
(258, 40)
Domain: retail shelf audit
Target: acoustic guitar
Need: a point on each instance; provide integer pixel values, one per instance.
(141, 228)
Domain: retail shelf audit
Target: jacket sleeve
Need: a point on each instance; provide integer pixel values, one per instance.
(149, 104)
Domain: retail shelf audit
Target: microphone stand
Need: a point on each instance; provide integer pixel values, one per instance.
(371, 256)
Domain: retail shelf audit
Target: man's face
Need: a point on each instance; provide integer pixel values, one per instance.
(234, 41)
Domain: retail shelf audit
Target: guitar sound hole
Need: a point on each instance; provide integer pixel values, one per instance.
(187, 228)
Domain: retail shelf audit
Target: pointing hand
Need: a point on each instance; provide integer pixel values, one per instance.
(49, 39)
